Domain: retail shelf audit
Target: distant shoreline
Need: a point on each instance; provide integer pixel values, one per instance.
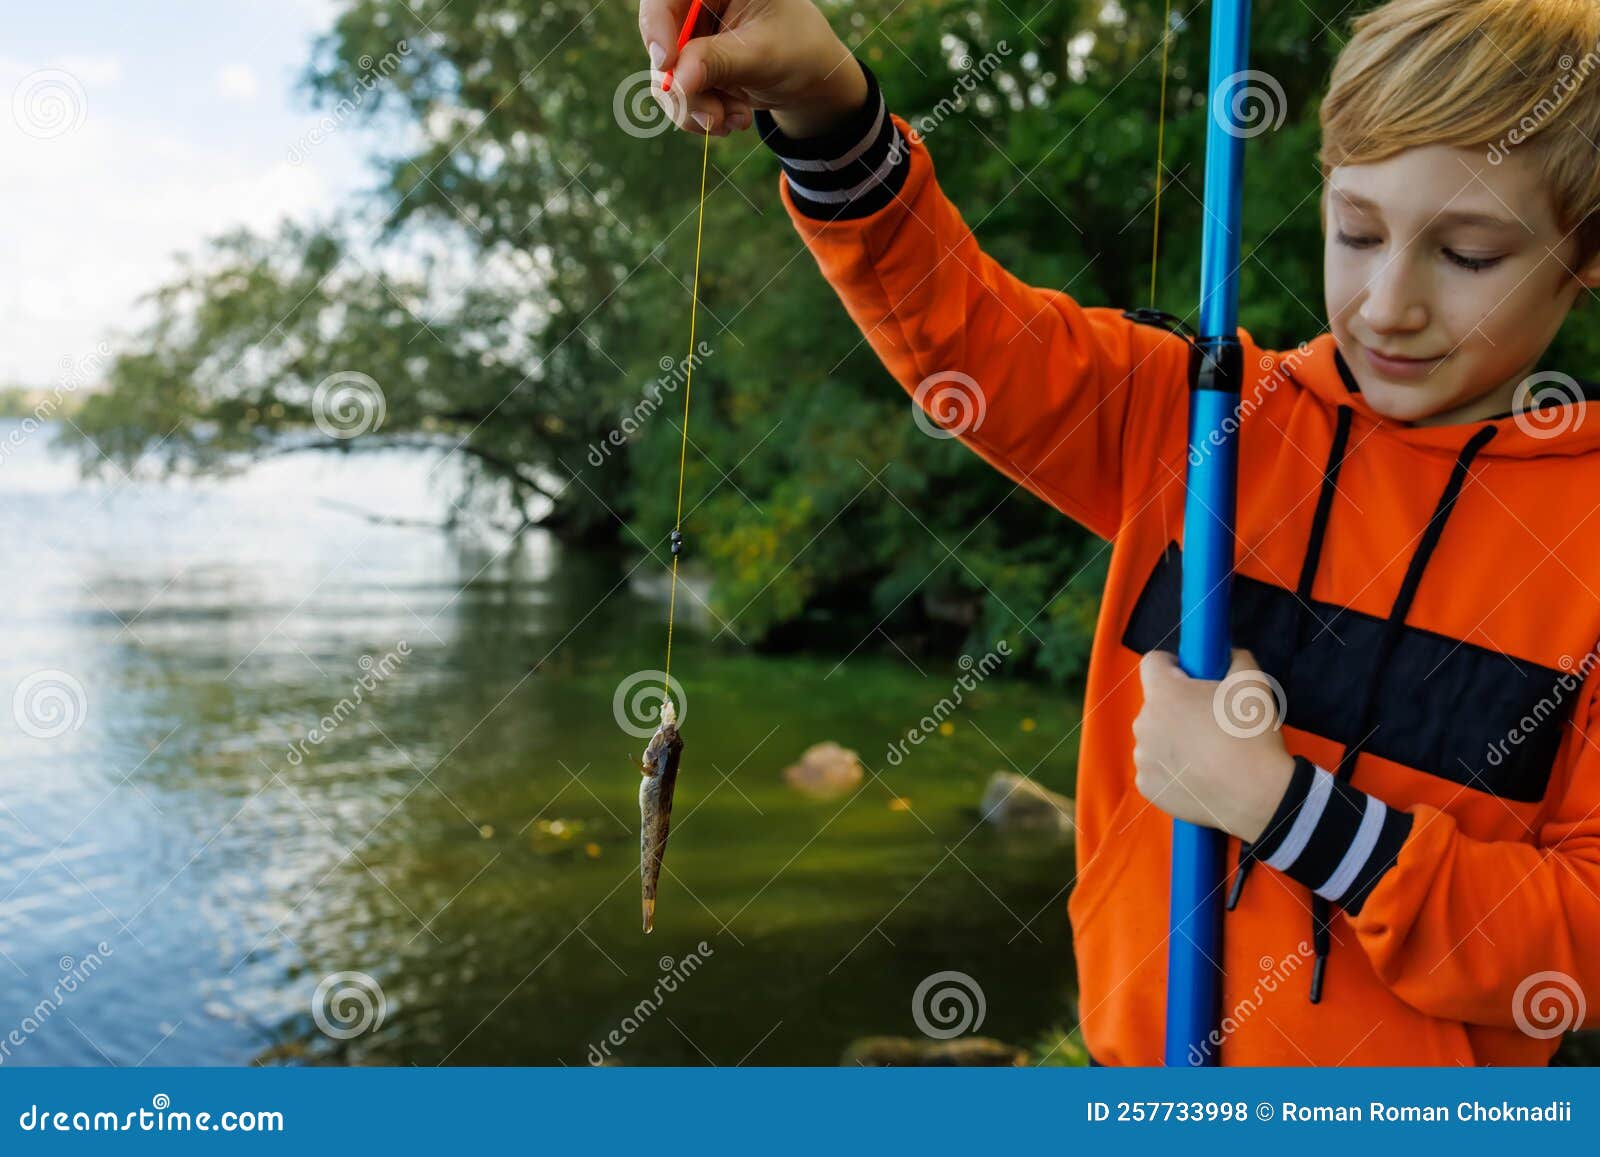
(24, 402)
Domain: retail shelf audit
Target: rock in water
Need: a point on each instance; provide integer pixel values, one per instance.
(825, 771)
(1014, 802)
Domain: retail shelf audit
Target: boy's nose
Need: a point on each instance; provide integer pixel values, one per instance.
(1393, 302)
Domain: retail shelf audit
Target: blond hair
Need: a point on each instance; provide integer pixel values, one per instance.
(1496, 75)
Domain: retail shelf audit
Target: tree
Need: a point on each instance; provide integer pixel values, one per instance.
(518, 287)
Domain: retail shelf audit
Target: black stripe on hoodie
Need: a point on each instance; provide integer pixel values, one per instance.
(850, 172)
(1334, 839)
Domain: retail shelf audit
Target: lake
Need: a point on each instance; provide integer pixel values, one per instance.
(280, 783)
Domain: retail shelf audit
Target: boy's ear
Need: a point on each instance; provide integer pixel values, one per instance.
(1589, 274)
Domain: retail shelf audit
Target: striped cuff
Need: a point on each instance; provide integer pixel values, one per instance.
(850, 172)
(1334, 839)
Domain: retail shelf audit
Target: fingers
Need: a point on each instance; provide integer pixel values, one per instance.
(1243, 660)
(708, 114)
(740, 115)
(1156, 664)
(709, 63)
(695, 91)
(721, 61)
(716, 112)
(701, 114)
(659, 22)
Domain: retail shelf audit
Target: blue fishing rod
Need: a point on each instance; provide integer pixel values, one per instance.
(1194, 945)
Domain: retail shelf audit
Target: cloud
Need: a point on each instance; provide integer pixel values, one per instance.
(93, 71)
(100, 208)
(238, 82)
(320, 13)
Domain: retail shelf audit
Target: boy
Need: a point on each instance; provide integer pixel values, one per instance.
(1418, 550)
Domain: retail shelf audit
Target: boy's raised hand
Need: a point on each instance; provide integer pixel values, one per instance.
(780, 55)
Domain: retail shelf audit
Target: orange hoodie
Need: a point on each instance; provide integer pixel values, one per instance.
(1426, 598)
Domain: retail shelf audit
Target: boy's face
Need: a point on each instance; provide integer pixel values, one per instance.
(1439, 255)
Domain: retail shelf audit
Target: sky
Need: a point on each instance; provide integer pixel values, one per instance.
(130, 133)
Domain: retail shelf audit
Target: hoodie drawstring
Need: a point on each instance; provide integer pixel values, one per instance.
(1321, 909)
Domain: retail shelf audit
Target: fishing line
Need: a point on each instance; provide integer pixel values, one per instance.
(1161, 140)
(688, 384)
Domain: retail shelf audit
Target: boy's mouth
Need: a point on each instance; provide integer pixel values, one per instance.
(1404, 369)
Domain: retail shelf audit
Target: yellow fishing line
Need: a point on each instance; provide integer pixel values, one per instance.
(1161, 140)
(688, 384)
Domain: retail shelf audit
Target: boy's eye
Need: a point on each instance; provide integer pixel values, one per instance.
(1475, 264)
(1356, 242)
(1472, 264)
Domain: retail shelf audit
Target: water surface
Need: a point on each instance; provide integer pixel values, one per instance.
(465, 833)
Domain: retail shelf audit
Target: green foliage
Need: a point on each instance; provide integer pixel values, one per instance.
(811, 499)
(1059, 1048)
(19, 403)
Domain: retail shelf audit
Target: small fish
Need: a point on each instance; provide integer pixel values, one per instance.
(660, 768)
